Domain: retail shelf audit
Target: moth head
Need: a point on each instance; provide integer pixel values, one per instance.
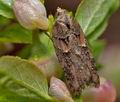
(63, 17)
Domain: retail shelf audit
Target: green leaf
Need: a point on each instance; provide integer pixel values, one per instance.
(25, 52)
(99, 30)
(115, 6)
(47, 43)
(97, 47)
(38, 49)
(42, 46)
(3, 21)
(23, 78)
(79, 99)
(16, 34)
(91, 13)
(6, 8)
(9, 96)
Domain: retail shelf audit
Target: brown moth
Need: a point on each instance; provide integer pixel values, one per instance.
(74, 54)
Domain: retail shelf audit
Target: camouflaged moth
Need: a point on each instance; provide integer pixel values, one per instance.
(73, 53)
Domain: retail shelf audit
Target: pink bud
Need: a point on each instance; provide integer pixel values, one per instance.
(31, 14)
(105, 93)
(59, 90)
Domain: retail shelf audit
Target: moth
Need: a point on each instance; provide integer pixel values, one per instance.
(73, 53)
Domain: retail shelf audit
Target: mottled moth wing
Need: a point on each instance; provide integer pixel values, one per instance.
(73, 53)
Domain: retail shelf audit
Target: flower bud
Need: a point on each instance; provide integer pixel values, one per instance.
(31, 14)
(59, 90)
(105, 93)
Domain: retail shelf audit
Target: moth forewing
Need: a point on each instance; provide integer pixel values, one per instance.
(73, 53)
